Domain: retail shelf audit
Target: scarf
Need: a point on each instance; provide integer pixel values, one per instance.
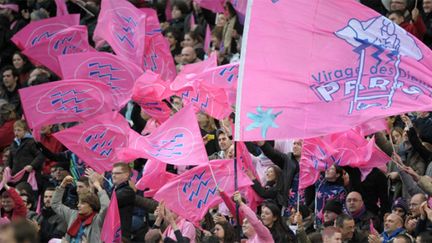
(388, 238)
(81, 219)
(356, 215)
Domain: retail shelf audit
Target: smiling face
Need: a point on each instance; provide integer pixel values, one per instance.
(267, 217)
(17, 61)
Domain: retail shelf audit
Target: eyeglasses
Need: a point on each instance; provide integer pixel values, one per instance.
(353, 200)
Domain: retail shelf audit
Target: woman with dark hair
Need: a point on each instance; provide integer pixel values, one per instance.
(329, 187)
(225, 232)
(231, 30)
(271, 217)
(273, 185)
(254, 230)
(194, 40)
(179, 12)
(23, 66)
(174, 39)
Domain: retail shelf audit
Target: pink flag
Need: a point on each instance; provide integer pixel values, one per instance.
(65, 101)
(348, 70)
(122, 25)
(106, 68)
(61, 7)
(96, 139)
(316, 157)
(154, 177)
(240, 7)
(149, 91)
(178, 141)
(192, 22)
(217, 6)
(212, 101)
(192, 193)
(152, 25)
(42, 30)
(158, 58)
(373, 126)
(67, 41)
(224, 76)
(207, 39)
(111, 229)
(168, 9)
(205, 95)
(184, 80)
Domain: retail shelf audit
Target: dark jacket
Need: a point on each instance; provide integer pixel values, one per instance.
(23, 154)
(51, 226)
(126, 200)
(289, 166)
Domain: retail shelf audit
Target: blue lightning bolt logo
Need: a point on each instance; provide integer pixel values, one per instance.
(45, 34)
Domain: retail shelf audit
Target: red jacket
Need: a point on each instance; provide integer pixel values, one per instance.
(20, 210)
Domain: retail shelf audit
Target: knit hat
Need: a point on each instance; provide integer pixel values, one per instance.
(333, 206)
(400, 203)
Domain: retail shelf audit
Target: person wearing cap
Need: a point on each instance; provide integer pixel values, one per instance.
(58, 173)
(400, 207)
(332, 210)
(87, 221)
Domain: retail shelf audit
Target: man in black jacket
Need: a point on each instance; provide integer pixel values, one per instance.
(121, 173)
(52, 225)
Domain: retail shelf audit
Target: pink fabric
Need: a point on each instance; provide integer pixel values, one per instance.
(192, 22)
(168, 10)
(150, 126)
(205, 86)
(207, 39)
(178, 141)
(96, 139)
(70, 40)
(152, 22)
(262, 232)
(61, 7)
(186, 228)
(122, 25)
(184, 80)
(154, 177)
(118, 74)
(350, 69)
(316, 157)
(371, 127)
(111, 229)
(13, 7)
(42, 30)
(192, 193)
(149, 91)
(158, 58)
(240, 7)
(216, 6)
(65, 101)
(31, 179)
(343, 149)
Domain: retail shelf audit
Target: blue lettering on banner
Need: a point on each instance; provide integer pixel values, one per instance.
(98, 143)
(169, 148)
(45, 34)
(128, 26)
(378, 76)
(104, 71)
(58, 98)
(195, 192)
